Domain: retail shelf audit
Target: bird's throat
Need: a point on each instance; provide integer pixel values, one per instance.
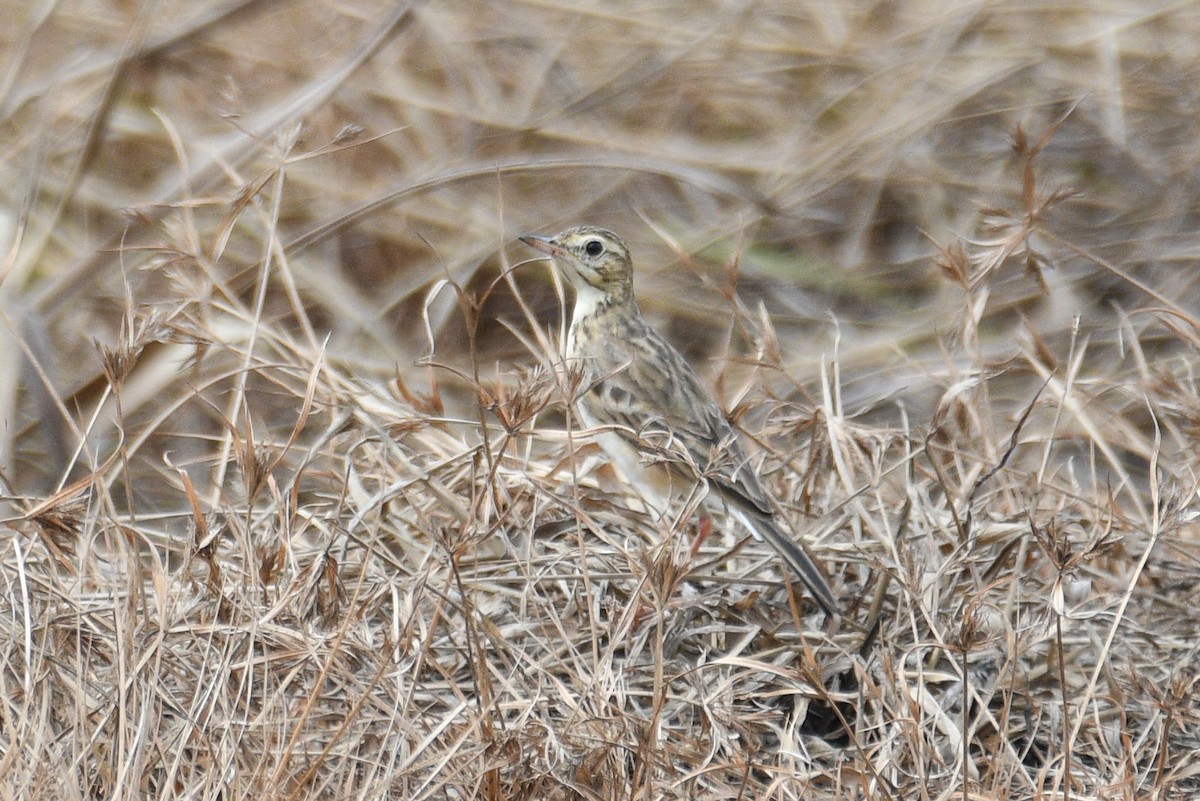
(595, 314)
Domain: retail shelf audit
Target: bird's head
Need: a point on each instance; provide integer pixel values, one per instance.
(590, 258)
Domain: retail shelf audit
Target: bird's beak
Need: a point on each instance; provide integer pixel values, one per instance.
(544, 244)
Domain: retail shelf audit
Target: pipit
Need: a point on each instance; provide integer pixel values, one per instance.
(646, 400)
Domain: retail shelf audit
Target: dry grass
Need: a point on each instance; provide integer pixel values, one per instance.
(292, 508)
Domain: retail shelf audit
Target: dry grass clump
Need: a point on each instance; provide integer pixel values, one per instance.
(292, 501)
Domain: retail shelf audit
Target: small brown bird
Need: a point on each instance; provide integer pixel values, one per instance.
(642, 392)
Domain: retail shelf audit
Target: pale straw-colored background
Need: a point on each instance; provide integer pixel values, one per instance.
(288, 505)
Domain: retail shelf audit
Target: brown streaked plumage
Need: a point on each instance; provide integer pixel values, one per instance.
(647, 398)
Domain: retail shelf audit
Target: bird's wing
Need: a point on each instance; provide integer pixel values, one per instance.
(643, 384)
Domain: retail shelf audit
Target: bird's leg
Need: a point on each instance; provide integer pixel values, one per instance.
(704, 527)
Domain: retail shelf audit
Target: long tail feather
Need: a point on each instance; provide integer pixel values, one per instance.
(793, 553)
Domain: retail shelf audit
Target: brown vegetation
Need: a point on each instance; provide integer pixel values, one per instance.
(290, 504)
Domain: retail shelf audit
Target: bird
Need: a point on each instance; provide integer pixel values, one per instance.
(645, 400)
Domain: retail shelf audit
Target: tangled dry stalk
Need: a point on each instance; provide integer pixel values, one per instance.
(292, 503)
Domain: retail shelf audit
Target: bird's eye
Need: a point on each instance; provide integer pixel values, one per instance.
(594, 247)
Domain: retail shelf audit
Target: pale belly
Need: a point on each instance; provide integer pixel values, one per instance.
(655, 483)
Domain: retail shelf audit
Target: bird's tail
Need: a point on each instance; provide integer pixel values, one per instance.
(793, 553)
